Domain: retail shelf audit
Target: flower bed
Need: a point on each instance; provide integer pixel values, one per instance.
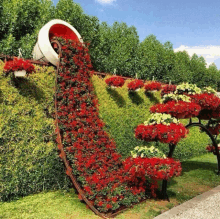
(177, 109)
(115, 81)
(175, 97)
(152, 86)
(147, 152)
(135, 84)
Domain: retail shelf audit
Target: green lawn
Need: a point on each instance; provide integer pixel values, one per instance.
(198, 176)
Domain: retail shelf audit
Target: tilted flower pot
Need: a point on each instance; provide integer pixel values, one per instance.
(21, 73)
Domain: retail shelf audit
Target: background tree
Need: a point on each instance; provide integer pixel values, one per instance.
(211, 76)
(117, 49)
(198, 69)
(155, 59)
(180, 71)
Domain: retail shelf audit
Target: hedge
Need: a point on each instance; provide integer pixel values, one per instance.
(29, 160)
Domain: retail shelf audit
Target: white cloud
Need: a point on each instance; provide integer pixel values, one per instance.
(210, 53)
(106, 2)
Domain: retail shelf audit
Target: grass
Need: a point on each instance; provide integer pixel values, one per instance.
(198, 176)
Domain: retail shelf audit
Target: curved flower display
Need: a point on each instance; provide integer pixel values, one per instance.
(115, 81)
(17, 65)
(168, 88)
(177, 109)
(152, 86)
(91, 153)
(135, 84)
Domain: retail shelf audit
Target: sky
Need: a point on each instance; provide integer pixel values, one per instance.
(191, 25)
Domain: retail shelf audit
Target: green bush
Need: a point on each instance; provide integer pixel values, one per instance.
(29, 161)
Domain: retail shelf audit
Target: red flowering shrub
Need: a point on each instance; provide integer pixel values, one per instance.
(153, 85)
(17, 65)
(115, 81)
(210, 105)
(164, 133)
(135, 84)
(168, 88)
(179, 109)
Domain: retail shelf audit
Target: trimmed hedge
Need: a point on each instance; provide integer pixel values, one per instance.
(29, 161)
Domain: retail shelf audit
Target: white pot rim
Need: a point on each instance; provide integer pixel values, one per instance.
(20, 73)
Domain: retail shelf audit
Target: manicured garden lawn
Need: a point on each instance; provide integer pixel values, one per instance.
(198, 176)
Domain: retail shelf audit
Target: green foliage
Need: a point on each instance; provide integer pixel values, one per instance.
(117, 49)
(155, 59)
(212, 77)
(29, 160)
(198, 69)
(181, 70)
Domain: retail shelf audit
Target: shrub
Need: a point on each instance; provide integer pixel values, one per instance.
(29, 160)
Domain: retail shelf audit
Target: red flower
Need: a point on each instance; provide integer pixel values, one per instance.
(180, 109)
(164, 133)
(168, 88)
(115, 81)
(17, 65)
(210, 105)
(153, 85)
(135, 84)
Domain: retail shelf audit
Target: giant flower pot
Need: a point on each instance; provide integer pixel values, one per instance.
(43, 50)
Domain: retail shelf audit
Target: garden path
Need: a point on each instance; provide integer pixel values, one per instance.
(204, 206)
